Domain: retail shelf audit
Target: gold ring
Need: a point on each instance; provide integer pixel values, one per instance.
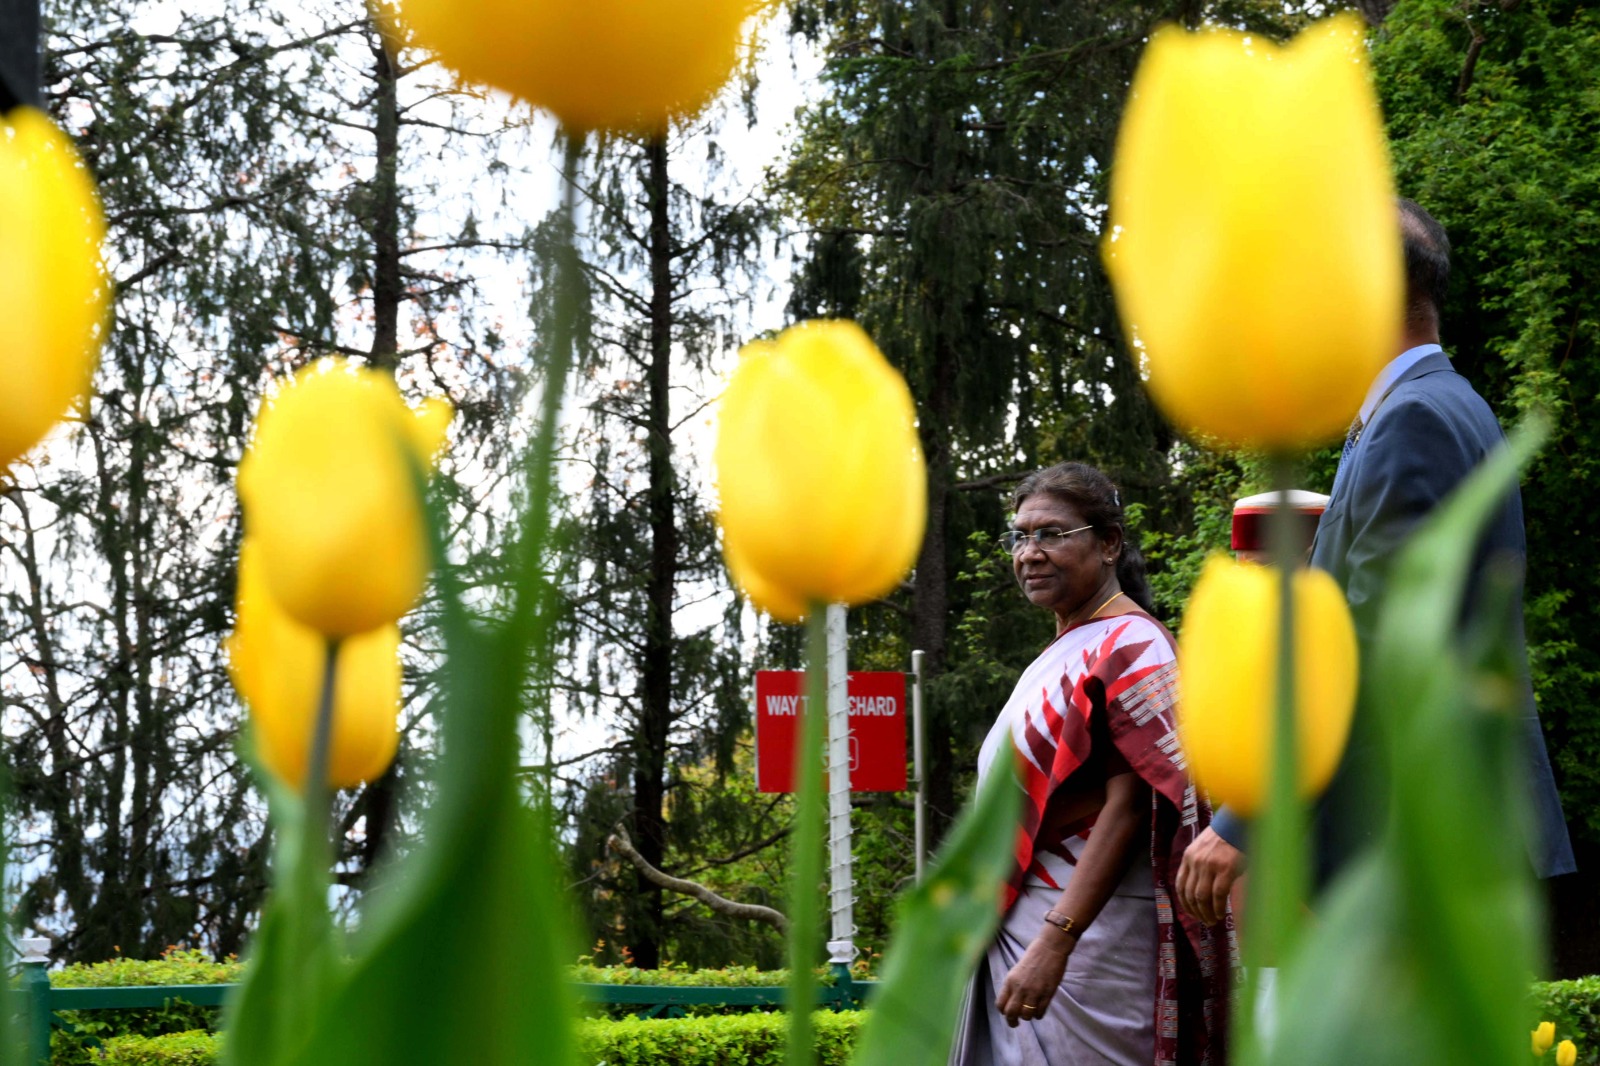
(1029, 1006)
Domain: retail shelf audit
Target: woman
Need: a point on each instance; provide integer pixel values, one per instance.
(1092, 964)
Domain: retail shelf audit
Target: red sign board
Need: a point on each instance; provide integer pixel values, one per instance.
(877, 730)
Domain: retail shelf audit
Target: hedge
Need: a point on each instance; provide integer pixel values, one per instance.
(176, 1034)
(179, 967)
(79, 1045)
(1575, 1008)
(194, 1048)
(729, 1040)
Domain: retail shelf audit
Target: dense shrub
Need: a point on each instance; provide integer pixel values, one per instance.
(1575, 1008)
(78, 1045)
(194, 1048)
(154, 1037)
(734, 1040)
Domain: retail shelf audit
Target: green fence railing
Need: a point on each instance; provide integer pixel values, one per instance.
(45, 1002)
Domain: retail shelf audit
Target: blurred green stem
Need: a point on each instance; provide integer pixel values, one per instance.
(1280, 875)
(307, 876)
(807, 857)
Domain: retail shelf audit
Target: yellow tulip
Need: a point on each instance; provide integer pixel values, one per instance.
(1254, 239)
(775, 601)
(601, 64)
(1227, 669)
(277, 666)
(819, 469)
(330, 497)
(1566, 1053)
(1543, 1037)
(53, 293)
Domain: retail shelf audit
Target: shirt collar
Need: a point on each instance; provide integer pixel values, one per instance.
(1391, 373)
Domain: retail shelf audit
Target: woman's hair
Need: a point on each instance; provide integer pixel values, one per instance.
(1091, 494)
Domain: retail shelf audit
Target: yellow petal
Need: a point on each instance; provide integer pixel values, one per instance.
(1566, 1053)
(430, 427)
(819, 469)
(1254, 242)
(53, 293)
(330, 496)
(1227, 659)
(761, 592)
(603, 64)
(277, 667)
(1543, 1037)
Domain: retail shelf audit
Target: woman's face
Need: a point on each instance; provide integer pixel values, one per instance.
(1062, 579)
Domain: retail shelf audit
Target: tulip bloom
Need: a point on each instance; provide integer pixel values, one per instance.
(277, 666)
(819, 469)
(1227, 667)
(600, 64)
(1566, 1053)
(1543, 1037)
(53, 293)
(330, 496)
(1254, 238)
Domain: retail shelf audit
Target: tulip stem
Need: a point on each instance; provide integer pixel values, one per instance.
(305, 876)
(316, 785)
(1279, 883)
(806, 864)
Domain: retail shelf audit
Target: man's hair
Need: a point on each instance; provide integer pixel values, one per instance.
(1427, 249)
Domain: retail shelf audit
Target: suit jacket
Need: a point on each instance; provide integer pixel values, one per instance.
(1426, 435)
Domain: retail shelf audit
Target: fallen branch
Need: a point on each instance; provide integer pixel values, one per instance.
(618, 842)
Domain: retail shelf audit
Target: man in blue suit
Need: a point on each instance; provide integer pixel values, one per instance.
(1420, 431)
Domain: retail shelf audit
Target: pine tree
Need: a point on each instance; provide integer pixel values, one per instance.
(654, 629)
(239, 252)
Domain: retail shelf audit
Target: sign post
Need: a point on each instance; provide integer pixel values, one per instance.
(866, 753)
(841, 948)
(921, 809)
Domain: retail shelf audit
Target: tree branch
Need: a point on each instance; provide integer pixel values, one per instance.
(618, 842)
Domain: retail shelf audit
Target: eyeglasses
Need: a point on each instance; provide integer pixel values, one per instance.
(1049, 538)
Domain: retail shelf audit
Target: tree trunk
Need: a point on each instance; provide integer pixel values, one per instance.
(930, 600)
(387, 291)
(379, 801)
(655, 703)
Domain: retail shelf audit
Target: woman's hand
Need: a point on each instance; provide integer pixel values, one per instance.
(1026, 992)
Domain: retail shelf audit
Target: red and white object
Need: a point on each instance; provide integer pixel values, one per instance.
(1252, 521)
(877, 703)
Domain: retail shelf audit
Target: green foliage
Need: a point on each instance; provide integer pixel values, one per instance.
(730, 1040)
(194, 1048)
(1502, 151)
(1575, 1008)
(745, 1039)
(175, 967)
(77, 1043)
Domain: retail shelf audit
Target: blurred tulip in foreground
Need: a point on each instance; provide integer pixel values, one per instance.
(1566, 1053)
(277, 666)
(601, 64)
(819, 471)
(330, 496)
(1254, 238)
(1543, 1037)
(1227, 656)
(53, 293)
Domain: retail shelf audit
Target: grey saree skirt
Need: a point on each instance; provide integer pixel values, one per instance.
(1104, 1010)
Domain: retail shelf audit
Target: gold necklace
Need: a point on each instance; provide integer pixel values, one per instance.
(1100, 608)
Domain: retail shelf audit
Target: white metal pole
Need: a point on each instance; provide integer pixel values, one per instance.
(921, 844)
(841, 948)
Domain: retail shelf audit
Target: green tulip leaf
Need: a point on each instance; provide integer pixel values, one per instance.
(944, 926)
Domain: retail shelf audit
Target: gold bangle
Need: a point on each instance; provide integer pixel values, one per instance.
(1063, 923)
